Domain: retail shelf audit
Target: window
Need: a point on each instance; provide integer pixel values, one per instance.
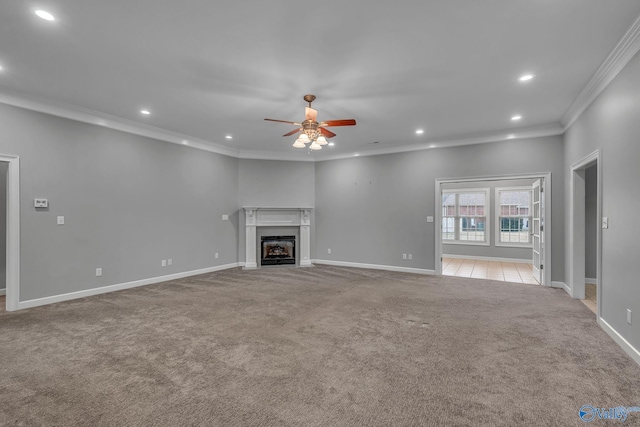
(464, 216)
(513, 207)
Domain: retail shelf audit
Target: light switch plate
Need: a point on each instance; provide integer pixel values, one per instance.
(60, 220)
(605, 222)
(429, 219)
(41, 203)
(225, 217)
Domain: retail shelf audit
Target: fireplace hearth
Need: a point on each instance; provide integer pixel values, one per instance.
(278, 250)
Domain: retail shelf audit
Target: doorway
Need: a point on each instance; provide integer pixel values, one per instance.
(3, 234)
(11, 168)
(586, 231)
(517, 225)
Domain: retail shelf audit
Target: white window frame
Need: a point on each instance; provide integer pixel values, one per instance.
(497, 218)
(487, 216)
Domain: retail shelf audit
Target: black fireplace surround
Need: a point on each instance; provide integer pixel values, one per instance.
(278, 250)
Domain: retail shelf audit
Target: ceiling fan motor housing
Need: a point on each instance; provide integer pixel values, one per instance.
(310, 128)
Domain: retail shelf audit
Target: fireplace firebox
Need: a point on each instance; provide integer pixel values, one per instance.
(277, 250)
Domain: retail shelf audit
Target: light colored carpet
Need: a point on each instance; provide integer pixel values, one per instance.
(322, 346)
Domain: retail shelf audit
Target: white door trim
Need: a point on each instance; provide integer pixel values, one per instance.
(547, 220)
(13, 231)
(577, 223)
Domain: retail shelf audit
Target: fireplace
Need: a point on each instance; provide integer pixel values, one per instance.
(277, 221)
(278, 250)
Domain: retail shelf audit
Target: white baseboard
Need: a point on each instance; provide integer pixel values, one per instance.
(488, 258)
(561, 285)
(3, 291)
(119, 287)
(374, 266)
(620, 340)
(590, 281)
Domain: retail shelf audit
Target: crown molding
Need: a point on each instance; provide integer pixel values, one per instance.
(626, 49)
(97, 118)
(86, 115)
(298, 155)
(552, 129)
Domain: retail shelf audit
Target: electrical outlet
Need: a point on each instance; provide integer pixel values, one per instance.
(404, 256)
(60, 220)
(164, 263)
(410, 256)
(98, 272)
(605, 222)
(329, 250)
(429, 219)
(225, 217)
(217, 255)
(169, 261)
(628, 316)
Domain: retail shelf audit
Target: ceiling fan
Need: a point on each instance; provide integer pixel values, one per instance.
(312, 131)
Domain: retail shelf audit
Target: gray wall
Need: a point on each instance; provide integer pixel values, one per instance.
(373, 209)
(274, 183)
(491, 251)
(591, 222)
(3, 225)
(128, 202)
(611, 124)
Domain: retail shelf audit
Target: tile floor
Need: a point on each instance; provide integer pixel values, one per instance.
(493, 270)
(590, 296)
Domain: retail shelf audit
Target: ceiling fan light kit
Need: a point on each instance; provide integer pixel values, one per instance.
(311, 131)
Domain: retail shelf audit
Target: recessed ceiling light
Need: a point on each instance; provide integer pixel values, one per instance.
(526, 77)
(511, 136)
(45, 15)
(356, 155)
(145, 112)
(331, 144)
(516, 118)
(419, 132)
(229, 137)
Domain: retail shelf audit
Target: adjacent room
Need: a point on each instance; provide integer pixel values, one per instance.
(305, 214)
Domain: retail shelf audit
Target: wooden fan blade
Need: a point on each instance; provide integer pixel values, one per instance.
(284, 121)
(326, 133)
(310, 114)
(345, 122)
(292, 132)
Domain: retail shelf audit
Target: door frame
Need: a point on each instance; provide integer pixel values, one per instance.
(577, 209)
(545, 176)
(13, 231)
(537, 215)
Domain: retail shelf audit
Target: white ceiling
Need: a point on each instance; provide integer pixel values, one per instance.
(207, 69)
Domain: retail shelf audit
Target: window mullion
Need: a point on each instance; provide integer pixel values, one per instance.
(457, 225)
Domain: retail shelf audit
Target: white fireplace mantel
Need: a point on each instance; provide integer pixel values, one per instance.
(277, 217)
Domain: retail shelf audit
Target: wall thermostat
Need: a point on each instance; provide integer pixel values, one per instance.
(41, 203)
